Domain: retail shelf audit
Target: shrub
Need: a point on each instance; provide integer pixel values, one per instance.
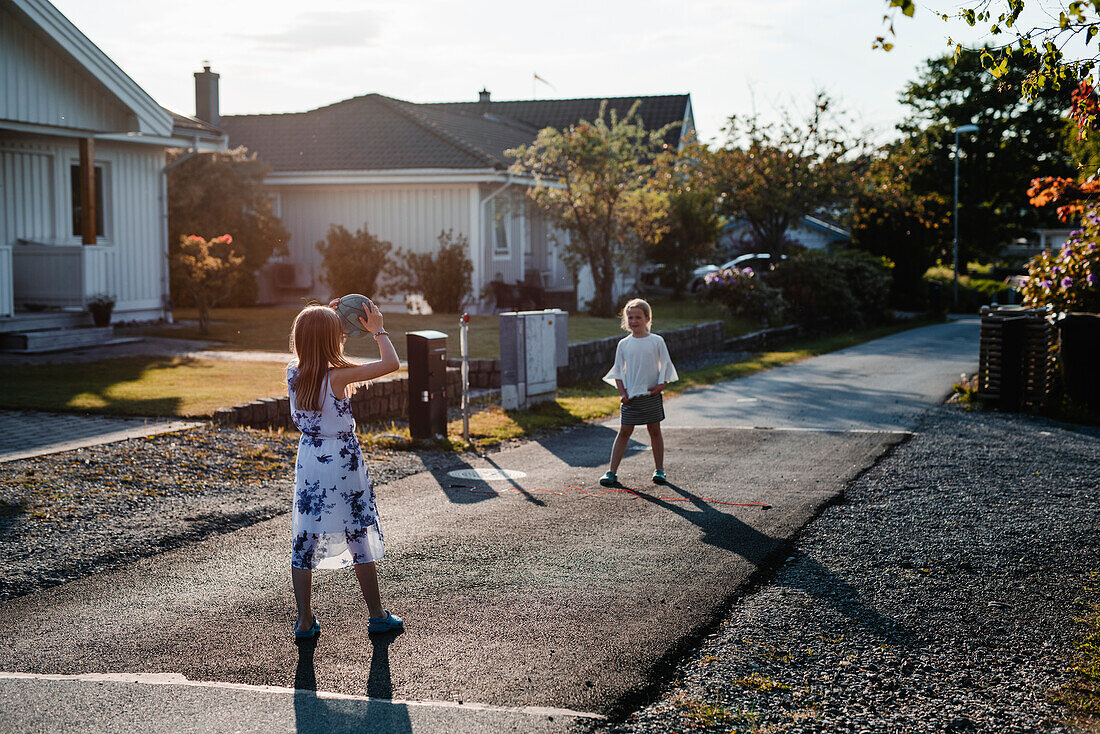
(745, 295)
(208, 269)
(973, 292)
(1067, 280)
(352, 262)
(442, 277)
(850, 287)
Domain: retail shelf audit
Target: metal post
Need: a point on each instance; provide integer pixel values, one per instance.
(955, 221)
(955, 216)
(464, 342)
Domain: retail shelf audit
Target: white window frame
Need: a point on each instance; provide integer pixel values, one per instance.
(500, 223)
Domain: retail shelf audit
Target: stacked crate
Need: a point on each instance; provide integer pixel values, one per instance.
(1017, 357)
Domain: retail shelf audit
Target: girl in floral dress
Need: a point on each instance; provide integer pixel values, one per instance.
(335, 523)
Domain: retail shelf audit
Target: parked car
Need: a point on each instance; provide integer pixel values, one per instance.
(760, 263)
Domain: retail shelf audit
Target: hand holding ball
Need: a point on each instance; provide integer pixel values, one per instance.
(358, 315)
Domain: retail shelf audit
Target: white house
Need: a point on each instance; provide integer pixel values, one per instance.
(409, 171)
(83, 206)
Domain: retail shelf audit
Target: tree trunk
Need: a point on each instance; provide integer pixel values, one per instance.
(603, 278)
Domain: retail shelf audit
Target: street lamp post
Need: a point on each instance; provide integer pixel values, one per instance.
(955, 216)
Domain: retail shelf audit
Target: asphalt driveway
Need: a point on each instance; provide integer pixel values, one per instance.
(534, 609)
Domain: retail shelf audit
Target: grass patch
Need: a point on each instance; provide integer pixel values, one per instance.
(595, 399)
(759, 682)
(1082, 695)
(267, 329)
(146, 386)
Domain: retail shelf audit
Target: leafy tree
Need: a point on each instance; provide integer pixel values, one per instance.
(443, 277)
(594, 180)
(772, 174)
(1016, 141)
(888, 217)
(352, 262)
(1041, 47)
(213, 193)
(694, 223)
(208, 270)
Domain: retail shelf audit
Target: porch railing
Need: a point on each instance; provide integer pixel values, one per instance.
(55, 275)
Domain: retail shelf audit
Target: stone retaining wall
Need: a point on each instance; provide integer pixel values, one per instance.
(389, 398)
(385, 398)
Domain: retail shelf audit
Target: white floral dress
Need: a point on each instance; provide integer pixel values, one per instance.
(335, 521)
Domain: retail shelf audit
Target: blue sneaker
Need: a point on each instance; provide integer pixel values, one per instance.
(659, 477)
(308, 634)
(609, 479)
(389, 623)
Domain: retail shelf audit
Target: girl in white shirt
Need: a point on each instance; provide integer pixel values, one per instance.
(642, 369)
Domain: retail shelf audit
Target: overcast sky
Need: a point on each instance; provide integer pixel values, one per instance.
(733, 56)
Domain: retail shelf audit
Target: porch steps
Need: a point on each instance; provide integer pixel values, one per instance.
(58, 340)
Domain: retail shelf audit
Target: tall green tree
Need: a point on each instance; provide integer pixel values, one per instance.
(694, 222)
(1016, 141)
(890, 218)
(1057, 44)
(595, 181)
(771, 174)
(216, 193)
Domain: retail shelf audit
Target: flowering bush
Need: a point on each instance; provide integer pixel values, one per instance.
(208, 269)
(745, 295)
(1066, 279)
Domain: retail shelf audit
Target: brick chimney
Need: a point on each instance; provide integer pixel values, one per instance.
(206, 96)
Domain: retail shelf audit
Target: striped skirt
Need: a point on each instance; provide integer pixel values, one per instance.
(642, 410)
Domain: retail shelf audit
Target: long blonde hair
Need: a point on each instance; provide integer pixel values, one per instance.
(317, 341)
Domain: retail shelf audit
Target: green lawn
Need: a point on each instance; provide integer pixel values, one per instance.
(268, 328)
(175, 386)
(168, 386)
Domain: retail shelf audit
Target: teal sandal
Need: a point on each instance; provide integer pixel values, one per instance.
(308, 634)
(389, 623)
(659, 477)
(609, 479)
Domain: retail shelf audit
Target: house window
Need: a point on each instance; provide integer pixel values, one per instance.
(501, 249)
(100, 223)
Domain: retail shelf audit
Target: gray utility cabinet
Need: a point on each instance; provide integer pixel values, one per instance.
(533, 344)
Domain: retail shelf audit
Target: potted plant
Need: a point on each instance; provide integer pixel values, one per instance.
(100, 306)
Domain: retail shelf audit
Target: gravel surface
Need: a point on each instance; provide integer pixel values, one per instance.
(66, 515)
(940, 595)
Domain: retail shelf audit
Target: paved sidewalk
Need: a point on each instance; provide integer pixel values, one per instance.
(146, 346)
(26, 433)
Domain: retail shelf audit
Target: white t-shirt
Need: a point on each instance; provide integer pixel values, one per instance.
(641, 363)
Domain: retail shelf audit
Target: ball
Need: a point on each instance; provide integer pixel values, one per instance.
(349, 309)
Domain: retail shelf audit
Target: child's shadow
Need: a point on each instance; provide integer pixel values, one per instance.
(726, 531)
(315, 715)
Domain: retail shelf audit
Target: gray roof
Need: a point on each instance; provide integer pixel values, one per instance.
(375, 132)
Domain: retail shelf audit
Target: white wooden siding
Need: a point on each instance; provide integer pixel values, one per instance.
(36, 195)
(411, 217)
(28, 194)
(40, 86)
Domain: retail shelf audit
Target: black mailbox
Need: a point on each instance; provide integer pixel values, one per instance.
(427, 358)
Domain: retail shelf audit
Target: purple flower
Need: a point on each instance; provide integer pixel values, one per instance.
(1090, 246)
(747, 271)
(1091, 279)
(1067, 282)
(1045, 284)
(1055, 270)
